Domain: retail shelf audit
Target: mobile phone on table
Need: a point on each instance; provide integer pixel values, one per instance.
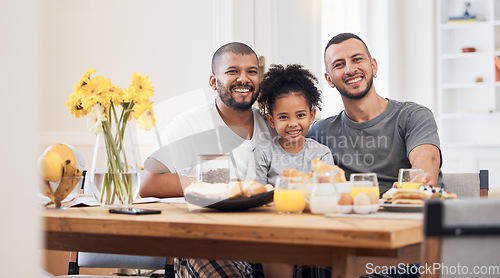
(136, 211)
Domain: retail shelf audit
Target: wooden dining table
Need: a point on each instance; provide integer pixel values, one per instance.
(257, 235)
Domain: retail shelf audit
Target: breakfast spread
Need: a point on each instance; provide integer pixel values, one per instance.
(318, 166)
(413, 196)
(224, 191)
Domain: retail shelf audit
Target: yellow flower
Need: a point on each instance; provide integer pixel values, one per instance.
(129, 94)
(116, 94)
(75, 105)
(140, 108)
(84, 80)
(142, 87)
(96, 92)
(147, 120)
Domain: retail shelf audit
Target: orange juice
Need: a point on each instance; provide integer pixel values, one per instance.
(414, 185)
(289, 201)
(355, 190)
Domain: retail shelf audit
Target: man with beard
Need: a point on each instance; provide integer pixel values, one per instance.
(374, 134)
(229, 124)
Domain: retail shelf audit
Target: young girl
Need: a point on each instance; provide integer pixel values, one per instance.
(289, 98)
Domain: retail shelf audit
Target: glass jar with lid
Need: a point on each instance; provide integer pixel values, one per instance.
(214, 168)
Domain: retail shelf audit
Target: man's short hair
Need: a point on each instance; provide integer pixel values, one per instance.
(234, 47)
(343, 37)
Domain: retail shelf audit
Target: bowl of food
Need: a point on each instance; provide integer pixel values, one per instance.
(61, 176)
(61, 194)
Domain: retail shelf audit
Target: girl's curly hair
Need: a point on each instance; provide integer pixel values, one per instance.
(279, 81)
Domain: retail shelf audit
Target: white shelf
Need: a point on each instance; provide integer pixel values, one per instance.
(452, 26)
(471, 114)
(469, 55)
(468, 145)
(468, 111)
(466, 85)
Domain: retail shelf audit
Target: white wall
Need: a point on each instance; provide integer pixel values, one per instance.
(411, 51)
(170, 41)
(288, 32)
(20, 237)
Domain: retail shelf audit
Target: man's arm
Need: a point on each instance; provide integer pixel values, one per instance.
(157, 181)
(427, 158)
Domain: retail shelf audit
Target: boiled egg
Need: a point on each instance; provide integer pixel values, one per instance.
(345, 199)
(373, 202)
(362, 203)
(373, 198)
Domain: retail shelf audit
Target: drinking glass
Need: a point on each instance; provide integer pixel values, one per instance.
(367, 183)
(288, 195)
(410, 178)
(364, 182)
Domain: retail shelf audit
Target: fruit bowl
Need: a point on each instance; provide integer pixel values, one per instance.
(61, 194)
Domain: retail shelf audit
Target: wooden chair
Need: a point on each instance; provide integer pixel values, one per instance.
(462, 238)
(467, 185)
(98, 260)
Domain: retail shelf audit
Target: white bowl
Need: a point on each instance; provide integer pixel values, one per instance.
(374, 208)
(362, 209)
(344, 209)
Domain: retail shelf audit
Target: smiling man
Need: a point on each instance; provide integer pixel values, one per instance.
(228, 124)
(374, 134)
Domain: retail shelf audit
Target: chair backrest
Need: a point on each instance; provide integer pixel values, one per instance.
(462, 238)
(101, 260)
(467, 185)
(98, 260)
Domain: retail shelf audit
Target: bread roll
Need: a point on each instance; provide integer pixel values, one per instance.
(252, 188)
(319, 166)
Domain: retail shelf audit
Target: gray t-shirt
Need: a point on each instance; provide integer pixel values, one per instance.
(380, 145)
(271, 159)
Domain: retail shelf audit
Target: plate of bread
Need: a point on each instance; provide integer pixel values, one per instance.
(412, 199)
(232, 196)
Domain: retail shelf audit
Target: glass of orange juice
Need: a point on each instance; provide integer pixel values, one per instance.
(288, 195)
(410, 178)
(364, 182)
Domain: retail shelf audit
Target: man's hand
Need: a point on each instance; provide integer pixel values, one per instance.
(427, 158)
(157, 181)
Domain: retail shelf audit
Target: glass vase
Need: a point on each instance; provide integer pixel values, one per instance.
(115, 175)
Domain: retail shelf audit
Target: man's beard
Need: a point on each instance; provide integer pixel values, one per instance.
(348, 95)
(228, 99)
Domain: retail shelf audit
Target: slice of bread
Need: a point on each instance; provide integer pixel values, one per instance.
(224, 191)
(220, 191)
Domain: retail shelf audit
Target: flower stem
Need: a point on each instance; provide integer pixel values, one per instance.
(117, 183)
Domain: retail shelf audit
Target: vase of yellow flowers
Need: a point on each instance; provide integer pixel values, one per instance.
(110, 110)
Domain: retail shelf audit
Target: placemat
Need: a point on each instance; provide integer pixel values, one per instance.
(382, 214)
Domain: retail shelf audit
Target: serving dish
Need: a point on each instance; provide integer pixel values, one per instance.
(231, 204)
(402, 207)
